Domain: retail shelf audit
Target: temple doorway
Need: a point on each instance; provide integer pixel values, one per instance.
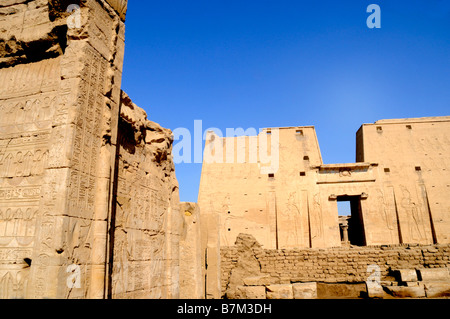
(351, 222)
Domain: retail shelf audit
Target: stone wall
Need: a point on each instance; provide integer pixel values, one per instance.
(414, 167)
(192, 256)
(146, 221)
(89, 204)
(248, 263)
(59, 110)
(397, 189)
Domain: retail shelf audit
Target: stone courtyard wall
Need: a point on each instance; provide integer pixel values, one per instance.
(146, 220)
(89, 204)
(59, 110)
(89, 196)
(248, 263)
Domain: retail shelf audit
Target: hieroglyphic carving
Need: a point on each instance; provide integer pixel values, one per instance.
(27, 104)
(139, 256)
(146, 210)
(102, 29)
(12, 255)
(46, 234)
(52, 120)
(13, 283)
(17, 224)
(73, 159)
(41, 271)
(87, 141)
(23, 163)
(25, 80)
(143, 232)
(26, 114)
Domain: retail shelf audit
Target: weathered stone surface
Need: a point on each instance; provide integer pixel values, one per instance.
(339, 273)
(263, 280)
(306, 290)
(148, 222)
(254, 292)
(280, 292)
(211, 248)
(341, 290)
(88, 193)
(375, 291)
(89, 202)
(247, 264)
(437, 289)
(31, 31)
(434, 274)
(192, 281)
(410, 283)
(406, 292)
(120, 6)
(59, 101)
(406, 275)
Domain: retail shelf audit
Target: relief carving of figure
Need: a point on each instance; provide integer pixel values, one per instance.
(413, 214)
(316, 218)
(293, 216)
(384, 209)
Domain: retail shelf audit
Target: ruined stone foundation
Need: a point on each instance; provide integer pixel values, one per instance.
(248, 271)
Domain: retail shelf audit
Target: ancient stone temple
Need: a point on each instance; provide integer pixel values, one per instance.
(89, 200)
(275, 187)
(89, 204)
(396, 188)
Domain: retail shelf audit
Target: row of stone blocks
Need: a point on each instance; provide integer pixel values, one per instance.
(405, 283)
(306, 290)
(413, 283)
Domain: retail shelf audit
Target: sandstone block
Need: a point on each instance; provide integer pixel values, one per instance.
(407, 292)
(280, 292)
(434, 274)
(411, 283)
(254, 292)
(307, 290)
(375, 291)
(257, 281)
(437, 289)
(405, 275)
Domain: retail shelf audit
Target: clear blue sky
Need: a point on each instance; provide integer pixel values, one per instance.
(264, 63)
